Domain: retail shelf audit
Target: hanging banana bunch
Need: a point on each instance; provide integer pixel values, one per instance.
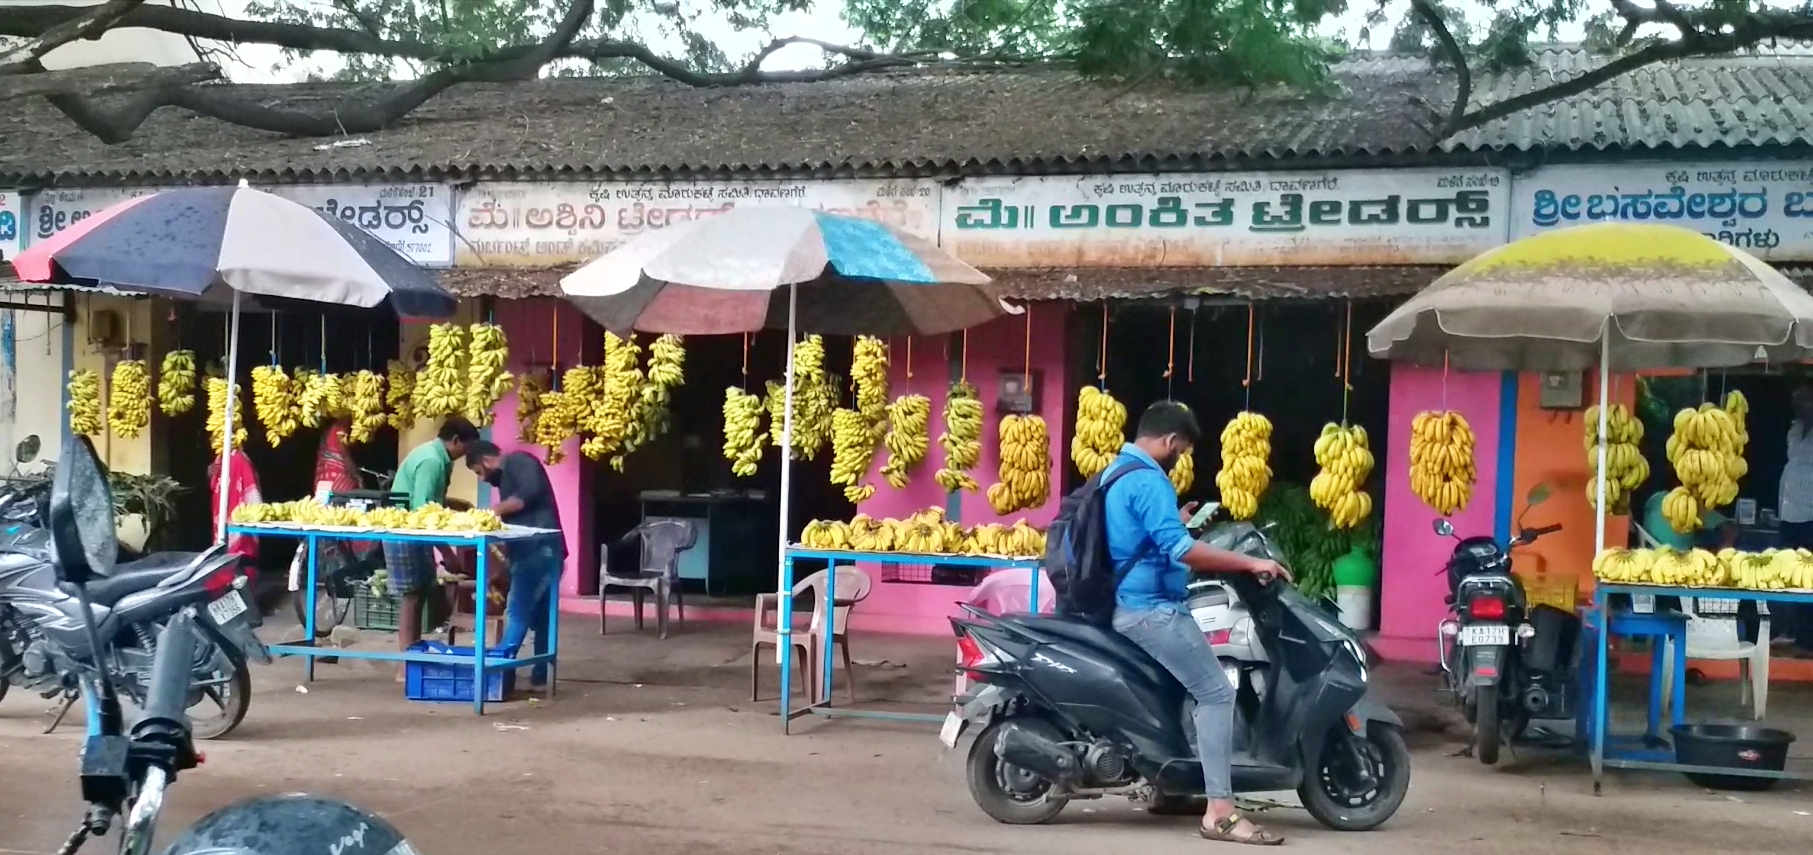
(1346, 461)
(176, 383)
(217, 415)
(441, 390)
(742, 431)
(529, 404)
(1706, 450)
(1441, 460)
(1624, 461)
(555, 424)
(962, 439)
(320, 399)
(486, 380)
(869, 374)
(652, 412)
(85, 402)
(1025, 471)
(617, 387)
(1246, 446)
(852, 450)
(570, 414)
(1101, 424)
(1183, 472)
(909, 437)
(399, 394)
(274, 403)
(815, 397)
(365, 406)
(129, 398)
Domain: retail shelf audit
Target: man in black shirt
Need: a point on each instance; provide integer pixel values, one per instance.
(526, 498)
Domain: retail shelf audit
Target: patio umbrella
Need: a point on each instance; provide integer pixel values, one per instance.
(1620, 296)
(216, 244)
(720, 274)
(1650, 296)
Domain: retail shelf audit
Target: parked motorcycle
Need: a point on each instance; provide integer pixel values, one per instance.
(1506, 663)
(1068, 710)
(129, 771)
(44, 647)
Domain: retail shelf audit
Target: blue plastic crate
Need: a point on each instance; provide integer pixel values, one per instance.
(438, 683)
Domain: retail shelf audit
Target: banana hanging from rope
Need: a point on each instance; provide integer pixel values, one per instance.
(1246, 448)
(365, 406)
(909, 437)
(614, 418)
(217, 413)
(1101, 423)
(529, 404)
(742, 431)
(1707, 452)
(852, 450)
(1441, 460)
(1025, 470)
(399, 395)
(962, 439)
(486, 380)
(869, 376)
(129, 398)
(85, 402)
(274, 403)
(176, 383)
(1346, 462)
(1624, 463)
(440, 391)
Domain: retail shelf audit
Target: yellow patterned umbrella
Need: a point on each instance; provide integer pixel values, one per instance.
(1638, 295)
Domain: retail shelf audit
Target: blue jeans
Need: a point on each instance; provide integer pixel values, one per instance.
(1170, 635)
(532, 580)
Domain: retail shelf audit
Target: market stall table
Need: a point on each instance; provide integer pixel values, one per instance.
(480, 542)
(1597, 713)
(834, 557)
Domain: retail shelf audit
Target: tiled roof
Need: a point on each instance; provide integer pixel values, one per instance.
(941, 122)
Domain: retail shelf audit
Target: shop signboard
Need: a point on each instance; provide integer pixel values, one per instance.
(12, 227)
(1764, 207)
(57, 209)
(543, 224)
(1337, 217)
(414, 219)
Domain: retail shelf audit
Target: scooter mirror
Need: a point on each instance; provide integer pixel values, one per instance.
(81, 516)
(1444, 528)
(27, 451)
(1538, 495)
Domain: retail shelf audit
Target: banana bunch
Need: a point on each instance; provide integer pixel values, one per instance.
(529, 404)
(962, 439)
(257, 513)
(433, 517)
(387, 517)
(488, 351)
(742, 431)
(274, 403)
(320, 400)
(1706, 451)
(1246, 445)
(1183, 472)
(815, 397)
(85, 402)
(869, 375)
(1624, 463)
(667, 361)
(1346, 462)
(1101, 423)
(176, 383)
(852, 450)
(1019, 540)
(399, 395)
(554, 426)
(1441, 460)
(1025, 470)
(909, 437)
(217, 415)
(440, 391)
(614, 422)
(1771, 570)
(652, 413)
(129, 398)
(364, 398)
(926, 532)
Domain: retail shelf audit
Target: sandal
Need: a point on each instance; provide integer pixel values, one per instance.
(1223, 832)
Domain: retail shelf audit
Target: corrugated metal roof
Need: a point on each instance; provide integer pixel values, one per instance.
(938, 122)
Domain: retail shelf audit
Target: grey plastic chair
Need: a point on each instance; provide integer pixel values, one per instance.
(658, 571)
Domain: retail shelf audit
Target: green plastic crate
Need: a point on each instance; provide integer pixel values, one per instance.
(374, 611)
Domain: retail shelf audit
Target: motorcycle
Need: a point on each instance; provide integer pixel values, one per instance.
(1067, 710)
(129, 771)
(44, 648)
(1506, 663)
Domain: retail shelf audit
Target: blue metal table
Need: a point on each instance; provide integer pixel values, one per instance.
(832, 558)
(311, 536)
(1649, 757)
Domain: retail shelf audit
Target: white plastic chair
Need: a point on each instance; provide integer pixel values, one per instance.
(853, 586)
(1712, 634)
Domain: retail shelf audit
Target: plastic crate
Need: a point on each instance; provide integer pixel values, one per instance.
(434, 682)
(1544, 589)
(374, 611)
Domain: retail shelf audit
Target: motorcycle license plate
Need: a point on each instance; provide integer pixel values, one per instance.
(1478, 634)
(226, 608)
(953, 728)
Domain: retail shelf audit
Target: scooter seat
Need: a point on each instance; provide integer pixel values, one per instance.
(1101, 638)
(135, 576)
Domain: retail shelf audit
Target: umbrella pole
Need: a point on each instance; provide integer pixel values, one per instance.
(784, 623)
(1605, 373)
(226, 442)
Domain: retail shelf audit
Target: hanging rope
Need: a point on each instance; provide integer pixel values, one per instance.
(745, 362)
(554, 357)
(273, 339)
(963, 365)
(323, 342)
(1345, 367)
(1171, 356)
(1190, 373)
(1101, 353)
(1026, 365)
(1246, 384)
(1444, 380)
(909, 358)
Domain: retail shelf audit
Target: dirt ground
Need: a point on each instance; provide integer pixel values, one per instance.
(654, 747)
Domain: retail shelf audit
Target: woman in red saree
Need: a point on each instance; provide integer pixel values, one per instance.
(242, 489)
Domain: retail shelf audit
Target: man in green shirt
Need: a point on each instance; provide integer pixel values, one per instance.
(423, 476)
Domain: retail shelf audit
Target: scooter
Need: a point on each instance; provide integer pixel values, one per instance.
(1067, 710)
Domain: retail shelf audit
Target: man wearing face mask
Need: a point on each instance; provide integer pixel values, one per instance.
(1153, 555)
(526, 498)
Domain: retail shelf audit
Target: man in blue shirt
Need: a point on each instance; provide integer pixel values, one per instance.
(1154, 554)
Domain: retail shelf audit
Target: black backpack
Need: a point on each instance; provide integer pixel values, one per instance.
(1082, 573)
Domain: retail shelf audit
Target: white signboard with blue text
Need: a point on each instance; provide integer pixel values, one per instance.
(1763, 207)
(12, 227)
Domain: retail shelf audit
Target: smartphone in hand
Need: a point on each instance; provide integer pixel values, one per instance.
(1203, 514)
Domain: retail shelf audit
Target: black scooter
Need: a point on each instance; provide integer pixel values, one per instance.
(1068, 710)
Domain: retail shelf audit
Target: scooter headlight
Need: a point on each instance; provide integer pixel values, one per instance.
(1359, 655)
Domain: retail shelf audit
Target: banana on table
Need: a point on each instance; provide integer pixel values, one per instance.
(924, 533)
(1771, 570)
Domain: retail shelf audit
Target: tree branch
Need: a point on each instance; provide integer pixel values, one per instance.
(104, 79)
(91, 24)
(1463, 94)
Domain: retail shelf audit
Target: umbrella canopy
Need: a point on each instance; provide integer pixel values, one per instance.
(722, 274)
(1668, 296)
(207, 243)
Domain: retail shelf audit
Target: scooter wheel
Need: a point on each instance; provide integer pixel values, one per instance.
(1008, 793)
(1335, 801)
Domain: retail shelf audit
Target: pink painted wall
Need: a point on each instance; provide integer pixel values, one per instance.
(530, 327)
(1412, 590)
(1001, 344)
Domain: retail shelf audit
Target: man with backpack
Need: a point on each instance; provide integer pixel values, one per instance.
(1152, 554)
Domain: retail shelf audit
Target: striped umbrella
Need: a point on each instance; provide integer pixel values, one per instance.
(211, 243)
